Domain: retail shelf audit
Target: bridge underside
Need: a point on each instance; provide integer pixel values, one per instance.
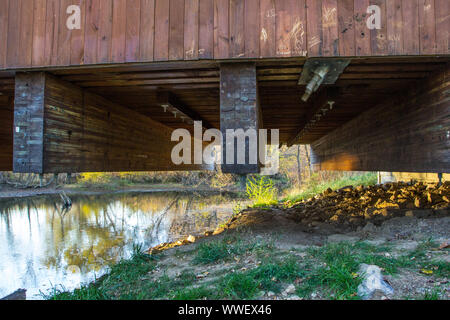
(382, 113)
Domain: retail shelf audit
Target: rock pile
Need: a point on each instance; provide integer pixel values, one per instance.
(357, 206)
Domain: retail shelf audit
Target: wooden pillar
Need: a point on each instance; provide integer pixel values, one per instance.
(407, 133)
(239, 109)
(59, 127)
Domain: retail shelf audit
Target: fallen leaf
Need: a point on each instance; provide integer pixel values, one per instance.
(444, 246)
(426, 271)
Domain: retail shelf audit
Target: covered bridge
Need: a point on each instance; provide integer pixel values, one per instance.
(99, 85)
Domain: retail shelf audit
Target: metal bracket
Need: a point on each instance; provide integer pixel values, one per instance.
(335, 69)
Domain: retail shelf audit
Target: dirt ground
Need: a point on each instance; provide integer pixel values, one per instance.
(402, 235)
(8, 192)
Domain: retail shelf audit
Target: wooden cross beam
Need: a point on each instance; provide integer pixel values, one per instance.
(171, 103)
(320, 106)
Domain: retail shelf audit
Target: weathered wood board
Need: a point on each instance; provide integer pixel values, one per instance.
(34, 33)
(60, 127)
(407, 133)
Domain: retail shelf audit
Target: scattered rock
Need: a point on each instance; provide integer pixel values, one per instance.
(372, 281)
(354, 206)
(20, 294)
(191, 239)
(289, 290)
(369, 227)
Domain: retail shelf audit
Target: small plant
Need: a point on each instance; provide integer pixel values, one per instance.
(261, 192)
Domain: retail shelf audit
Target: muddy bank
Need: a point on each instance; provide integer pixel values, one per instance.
(7, 192)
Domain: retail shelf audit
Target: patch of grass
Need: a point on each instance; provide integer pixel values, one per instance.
(336, 268)
(433, 294)
(225, 249)
(85, 292)
(194, 294)
(315, 186)
(267, 276)
(121, 277)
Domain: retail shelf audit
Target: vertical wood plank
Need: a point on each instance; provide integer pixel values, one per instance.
(378, 37)
(52, 32)
(77, 39)
(26, 33)
(206, 29)
(191, 29)
(427, 27)
(132, 34)
(64, 36)
(91, 31)
(161, 50)
(237, 44)
(290, 28)
(221, 29)
(410, 13)
(39, 13)
(104, 40)
(12, 58)
(442, 8)
(346, 24)
(267, 33)
(251, 28)
(176, 30)
(330, 28)
(147, 32)
(119, 27)
(362, 33)
(314, 27)
(4, 9)
(394, 27)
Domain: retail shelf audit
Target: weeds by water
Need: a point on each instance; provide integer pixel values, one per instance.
(315, 186)
(261, 192)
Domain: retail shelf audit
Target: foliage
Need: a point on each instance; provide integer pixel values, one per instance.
(321, 181)
(261, 191)
(225, 249)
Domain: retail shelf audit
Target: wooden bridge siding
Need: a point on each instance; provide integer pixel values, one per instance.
(120, 31)
(6, 132)
(407, 133)
(63, 128)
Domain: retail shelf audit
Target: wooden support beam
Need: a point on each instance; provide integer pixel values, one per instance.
(321, 104)
(406, 133)
(239, 109)
(6, 132)
(170, 103)
(59, 127)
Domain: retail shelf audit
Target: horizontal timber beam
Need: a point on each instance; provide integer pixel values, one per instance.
(407, 133)
(320, 104)
(59, 127)
(170, 103)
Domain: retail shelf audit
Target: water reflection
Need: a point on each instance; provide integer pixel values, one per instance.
(42, 245)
